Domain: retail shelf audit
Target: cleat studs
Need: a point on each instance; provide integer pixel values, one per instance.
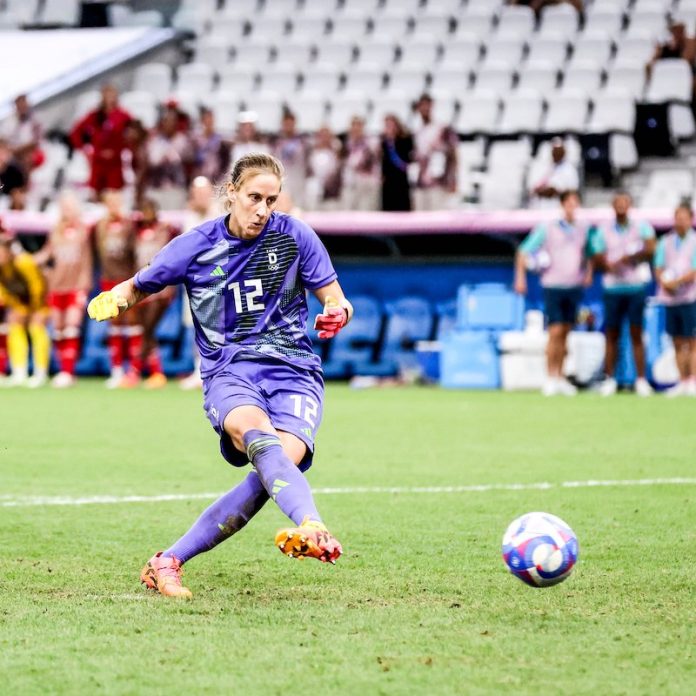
(290, 555)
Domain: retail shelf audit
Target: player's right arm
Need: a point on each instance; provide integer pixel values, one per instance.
(108, 305)
(531, 244)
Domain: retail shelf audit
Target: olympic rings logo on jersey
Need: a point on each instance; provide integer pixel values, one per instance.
(272, 260)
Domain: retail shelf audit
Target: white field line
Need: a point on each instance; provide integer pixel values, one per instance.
(8, 501)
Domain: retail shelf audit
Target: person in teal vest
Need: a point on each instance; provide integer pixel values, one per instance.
(675, 269)
(623, 249)
(559, 251)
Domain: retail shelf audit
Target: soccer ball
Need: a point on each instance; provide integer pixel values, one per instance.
(540, 549)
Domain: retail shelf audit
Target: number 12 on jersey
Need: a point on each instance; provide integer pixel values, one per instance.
(248, 298)
(309, 412)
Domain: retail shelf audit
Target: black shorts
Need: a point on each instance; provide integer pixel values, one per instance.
(680, 320)
(561, 305)
(619, 306)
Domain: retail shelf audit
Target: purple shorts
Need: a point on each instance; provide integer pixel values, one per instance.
(291, 396)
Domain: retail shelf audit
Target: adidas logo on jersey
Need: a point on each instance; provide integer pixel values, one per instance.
(218, 272)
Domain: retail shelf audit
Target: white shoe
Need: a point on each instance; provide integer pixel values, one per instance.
(16, 379)
(63, 380)
(608, 387)
(691, 387)
(193, 381)
(115, 379)
(36, 381)
(550, 387)
(642, 387)
(566, 388)
(679, 389)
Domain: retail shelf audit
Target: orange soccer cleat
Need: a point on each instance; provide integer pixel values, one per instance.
(157, 380)
(163, 573)
(310, 540)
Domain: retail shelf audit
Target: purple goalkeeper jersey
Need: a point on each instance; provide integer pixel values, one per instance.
(246, 296)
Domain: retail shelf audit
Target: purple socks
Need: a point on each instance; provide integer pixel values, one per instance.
(275, 476)
(222, 519)
(284, 482)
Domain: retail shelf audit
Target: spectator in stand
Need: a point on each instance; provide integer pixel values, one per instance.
(436, 154)
(101, 134)
(566, 267)
(114, 240)
(675, 269)
(202, 206)
(291, 149)
(397, 154)
(211, 152)
(679, 45)
(151, 236)
(169, 153)
(136, 137)
(247, 139)
(324, 184)
(623, 249)
(23, 133)
(360, 168)
(558, 176)
(13, 181)
(4, 362)
(70, 274)
(23, 292)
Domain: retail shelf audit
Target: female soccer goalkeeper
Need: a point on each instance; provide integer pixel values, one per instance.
(246, 275)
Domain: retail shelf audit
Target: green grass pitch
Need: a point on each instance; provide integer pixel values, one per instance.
(419, 604)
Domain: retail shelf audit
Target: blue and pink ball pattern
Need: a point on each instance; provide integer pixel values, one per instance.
(540, 549)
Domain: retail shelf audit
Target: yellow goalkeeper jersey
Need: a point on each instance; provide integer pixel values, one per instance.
(22, 285)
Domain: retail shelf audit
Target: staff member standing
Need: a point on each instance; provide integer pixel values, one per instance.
(566, 268)
(623, 250)
(675, 269)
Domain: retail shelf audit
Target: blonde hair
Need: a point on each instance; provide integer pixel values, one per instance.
(250, 165)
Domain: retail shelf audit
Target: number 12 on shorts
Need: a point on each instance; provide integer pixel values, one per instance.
(305, 407)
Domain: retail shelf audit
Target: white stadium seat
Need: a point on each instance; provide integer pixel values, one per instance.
(340, 53)
(671, 81)
(635, 50)
(418, 54)
(559, 21)
(214, 50)
(390, 29)
(653, 22)
(321, 77)
(566, 113)
(542, 77)
(61, 12)
(433, 24)
(516, 20)
(270, 27)
(475, 22)
(239, 79)
(505, 153)
(461, 55)
(268, 108)
(592, 49)
(626, 79)
(141, 105)
(411, 80)
(586, 77)
(508, 50)
(310, 110)
(346, 27)
(366, 77)
(292, 54)
(241, 8)
(344, 107)
(522, 113)
(155, 78)
(502, 189)
(454, 81)
(280, 77)
(195, 77)
(309, 31)
(377, 53)
(600, 18)
(495, 77)
(229, 30)
(399, 104)
(551, 50)
(478, 113)
(225, 107)
(612, 113)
